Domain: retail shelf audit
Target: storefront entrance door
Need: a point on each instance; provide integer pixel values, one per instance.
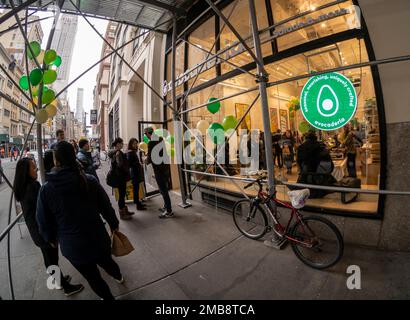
(150, 185)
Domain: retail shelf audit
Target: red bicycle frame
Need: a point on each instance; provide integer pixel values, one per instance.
(278, 226)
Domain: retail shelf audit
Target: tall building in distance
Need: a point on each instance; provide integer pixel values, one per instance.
(79, 110)
(63, 43)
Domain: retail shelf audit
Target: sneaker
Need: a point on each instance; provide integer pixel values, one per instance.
(73, 289)
(276, 243)
(166, 214)
(67, 279)
(162, 209)
(121, 281)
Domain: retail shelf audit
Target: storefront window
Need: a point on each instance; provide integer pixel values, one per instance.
(238, 11)
(358, 157)
(201, 41)
(318, 24)
(179, 67)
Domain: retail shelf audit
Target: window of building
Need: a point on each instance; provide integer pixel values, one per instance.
(318, 24)
(117, 119)
(6, 113)
(201, 41)
(9, 84)
(238, 11)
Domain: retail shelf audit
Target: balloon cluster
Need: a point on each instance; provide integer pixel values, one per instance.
(38, 78)
(169, 141)
(216, 131)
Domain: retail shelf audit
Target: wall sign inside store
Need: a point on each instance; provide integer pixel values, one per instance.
(328, 101)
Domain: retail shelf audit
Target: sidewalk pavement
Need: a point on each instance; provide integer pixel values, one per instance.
(199, 254)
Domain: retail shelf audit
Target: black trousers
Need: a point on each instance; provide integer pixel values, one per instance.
(122, 189)
(92, 274)
(162, 181)
(278, 155)
(351, 164)
(50, 256)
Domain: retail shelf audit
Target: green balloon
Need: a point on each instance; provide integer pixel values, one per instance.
(170, 139)
(50, 56)
(36, 75)
(146, 139)
(161, 133)
(229, 122)
(57, 61)
(48, 96)
(213, 107)
(24, 83)
(35, 47)
(45, 88)
(49, 76)
(216, 133)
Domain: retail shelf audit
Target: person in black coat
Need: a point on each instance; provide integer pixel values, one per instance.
(85, 158)
(157, 156)
(308, 153)
(120, 168)
(68, 212)
(26, 189)
(136, 170)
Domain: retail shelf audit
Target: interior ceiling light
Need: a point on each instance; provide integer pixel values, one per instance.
(323, 25)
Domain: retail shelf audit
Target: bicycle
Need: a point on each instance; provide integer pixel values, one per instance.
(315, 240)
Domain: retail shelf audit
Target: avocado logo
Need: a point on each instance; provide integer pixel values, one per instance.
(328, 101)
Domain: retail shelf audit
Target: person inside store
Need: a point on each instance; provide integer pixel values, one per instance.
(60, 137)
(120, 168)
(68, 212)
(315, 164)
(277, 148)
(85, 158)
(350, 143)
(288, 150)
(136, 171)
(161, 167)
(26, 190)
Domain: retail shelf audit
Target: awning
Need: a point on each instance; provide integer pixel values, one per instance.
(4, 137)
(143, 13)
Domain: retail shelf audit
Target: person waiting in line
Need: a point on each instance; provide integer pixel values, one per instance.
(26, 189)
(60, 137)
(160, 164)
(68, 212)
(75, 145)
(85, 158)
(119, 163)
(136, 170)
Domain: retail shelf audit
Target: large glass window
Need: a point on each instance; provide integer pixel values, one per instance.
(179, 68)
(318, 23)
(238, 13)
(202, 41)
(353, 151)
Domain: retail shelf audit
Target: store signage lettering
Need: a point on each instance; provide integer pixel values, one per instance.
(238, 49)
(328, 101)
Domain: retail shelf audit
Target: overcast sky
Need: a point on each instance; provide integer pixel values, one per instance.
(87, 50)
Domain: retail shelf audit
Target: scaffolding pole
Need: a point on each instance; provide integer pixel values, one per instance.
(177, 124)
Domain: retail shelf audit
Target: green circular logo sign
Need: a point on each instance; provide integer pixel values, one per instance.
(328, 101)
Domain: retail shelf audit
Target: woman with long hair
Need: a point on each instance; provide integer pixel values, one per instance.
(26, 189)
(119, 165)
(69, 210)
(136, 170)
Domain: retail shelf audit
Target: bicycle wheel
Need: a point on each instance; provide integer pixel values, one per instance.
(251, 224)
(321, 242)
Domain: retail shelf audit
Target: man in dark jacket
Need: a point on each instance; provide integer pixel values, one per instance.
(160, 164)
(85, 158)
(308, 153)
(68, 212)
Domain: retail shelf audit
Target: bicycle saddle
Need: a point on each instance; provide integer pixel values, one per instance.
(298, 197)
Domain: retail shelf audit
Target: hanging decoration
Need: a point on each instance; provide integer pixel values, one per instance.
(216, 133)
(202, 126)
(213, 107)
(229, 122)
